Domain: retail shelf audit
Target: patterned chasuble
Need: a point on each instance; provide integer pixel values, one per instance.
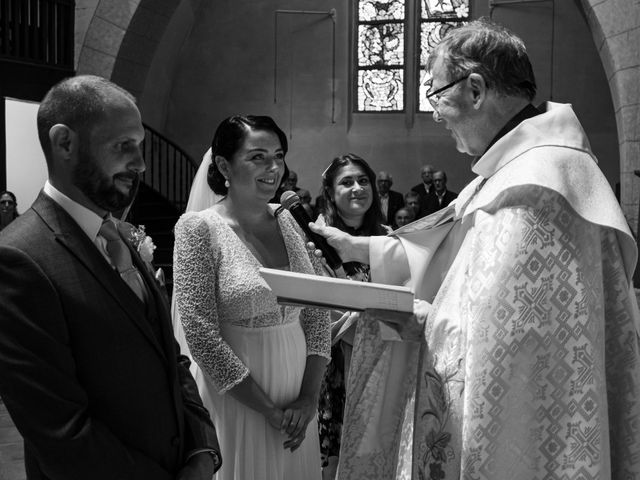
(532, 356)
(530, 365)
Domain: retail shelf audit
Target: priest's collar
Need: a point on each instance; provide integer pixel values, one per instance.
(527, 112)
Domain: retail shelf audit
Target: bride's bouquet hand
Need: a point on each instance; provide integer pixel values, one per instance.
(294, 442)
(274, 417)
(297, 416)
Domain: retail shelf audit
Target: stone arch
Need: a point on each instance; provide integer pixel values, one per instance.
(118, 40)
(100, 28)
(615, 26)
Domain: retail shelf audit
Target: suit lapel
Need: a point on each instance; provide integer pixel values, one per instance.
(156, 296)
(69, 234)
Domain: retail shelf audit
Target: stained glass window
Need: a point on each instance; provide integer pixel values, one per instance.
(381, 34)
(383, 26)
(437, 17)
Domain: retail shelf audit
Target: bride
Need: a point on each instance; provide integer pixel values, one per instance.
(258, 365)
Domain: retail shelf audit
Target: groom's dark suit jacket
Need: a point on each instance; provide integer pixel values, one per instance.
(90, 375)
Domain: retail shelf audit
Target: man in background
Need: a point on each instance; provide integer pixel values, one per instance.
(305, 200)
(444, 196)
(412, 201)
(390, 200)
(89, 369)
(426, 191)
(404, 216)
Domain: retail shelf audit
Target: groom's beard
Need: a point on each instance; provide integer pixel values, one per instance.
(100, 188)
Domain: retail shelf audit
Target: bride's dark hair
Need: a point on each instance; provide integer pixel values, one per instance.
(228, 139)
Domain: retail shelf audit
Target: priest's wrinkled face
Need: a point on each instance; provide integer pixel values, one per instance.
(453, 106)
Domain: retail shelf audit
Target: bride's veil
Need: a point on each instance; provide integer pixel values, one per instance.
(201, 197)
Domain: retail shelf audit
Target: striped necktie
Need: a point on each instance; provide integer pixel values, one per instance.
(121, 258)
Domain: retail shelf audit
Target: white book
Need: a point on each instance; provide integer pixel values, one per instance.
(327, 292)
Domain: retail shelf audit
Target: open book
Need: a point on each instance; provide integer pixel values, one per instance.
(303, 289)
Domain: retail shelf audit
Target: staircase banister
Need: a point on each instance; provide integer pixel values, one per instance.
(172, 143)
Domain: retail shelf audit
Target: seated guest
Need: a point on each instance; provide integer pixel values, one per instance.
(444, 196)
(351, 204)
(291, 182)
(8, 208)
(412, 201)
(318, 206)
(390, 200)
(259, 364)
(305, 199)
(426, 191)
(403, 216)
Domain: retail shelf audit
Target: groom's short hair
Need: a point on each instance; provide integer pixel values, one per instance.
(77, 102)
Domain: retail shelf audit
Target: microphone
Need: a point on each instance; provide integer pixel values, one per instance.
(291, 202)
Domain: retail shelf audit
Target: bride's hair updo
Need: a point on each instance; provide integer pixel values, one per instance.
(228, 139)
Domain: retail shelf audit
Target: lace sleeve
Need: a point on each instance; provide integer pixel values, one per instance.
(195, 290)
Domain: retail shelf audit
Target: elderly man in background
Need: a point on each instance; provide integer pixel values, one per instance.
(530, 364)
(390, 200)
(412, 201)
(426, 191)
(443, 195)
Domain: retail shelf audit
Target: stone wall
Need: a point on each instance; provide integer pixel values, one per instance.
(615, 25)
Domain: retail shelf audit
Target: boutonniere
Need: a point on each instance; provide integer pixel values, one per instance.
(142, 243)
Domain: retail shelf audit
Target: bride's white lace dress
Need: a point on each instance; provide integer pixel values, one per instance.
(234, 327)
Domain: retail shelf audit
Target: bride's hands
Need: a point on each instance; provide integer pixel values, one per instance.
(296, 417)
(274, 416)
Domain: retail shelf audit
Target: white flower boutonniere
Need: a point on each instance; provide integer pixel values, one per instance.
(143, 243)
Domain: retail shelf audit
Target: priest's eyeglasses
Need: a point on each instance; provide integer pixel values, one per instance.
(434, 97)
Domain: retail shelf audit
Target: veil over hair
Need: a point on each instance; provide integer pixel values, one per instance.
(201, 197)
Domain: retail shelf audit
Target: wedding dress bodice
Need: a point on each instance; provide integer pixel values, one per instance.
(217, 284)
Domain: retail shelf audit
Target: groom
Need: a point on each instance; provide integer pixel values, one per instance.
(89, 369)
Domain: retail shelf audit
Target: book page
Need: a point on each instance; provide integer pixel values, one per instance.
(327, 292)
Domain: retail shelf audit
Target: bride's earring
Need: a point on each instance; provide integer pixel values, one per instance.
(226, 182)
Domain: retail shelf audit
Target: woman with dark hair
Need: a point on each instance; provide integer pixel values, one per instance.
(8, 208)
(350, 204)
(258, 365)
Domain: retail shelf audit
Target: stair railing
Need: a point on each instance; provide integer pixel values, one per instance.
(170, 170)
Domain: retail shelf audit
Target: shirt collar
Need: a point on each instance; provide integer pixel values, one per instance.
(89, 221)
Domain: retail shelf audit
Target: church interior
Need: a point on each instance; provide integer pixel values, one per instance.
(334, 79)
